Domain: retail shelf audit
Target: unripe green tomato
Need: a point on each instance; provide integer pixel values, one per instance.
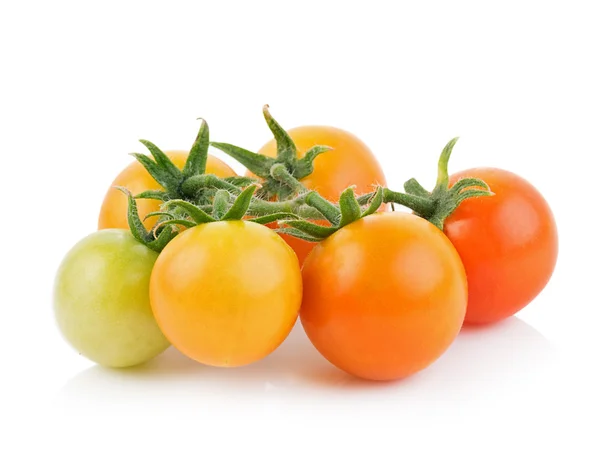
(101, 300)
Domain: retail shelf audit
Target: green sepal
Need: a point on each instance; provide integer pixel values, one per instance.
(197, 214)
(311, 229)
(305, 166)
(139, 231)
(469, 182)
(196, 161)
(471, 193)
(375, 203)
(220, 204)
(258, 164)
(163, 161)
(349, 207)
(298, 234)
(156, 195)
(158, 213)
(176, 222)
(273, 217)
(413, 187)
(160, 175)
(286, 148)
(241, 182)
(240, 205)
(162, 240)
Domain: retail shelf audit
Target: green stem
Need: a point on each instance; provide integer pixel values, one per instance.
(280, 173)
(420, 205)
(286, 149)
(193, 185)
(442, 179)
(259, 207)
(326, 208)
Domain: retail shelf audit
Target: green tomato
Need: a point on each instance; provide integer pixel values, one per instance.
(102, 303)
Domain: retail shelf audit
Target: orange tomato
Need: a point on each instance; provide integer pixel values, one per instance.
(226, 293)
(508, 243)
(113, 213)
(349, 163)
(384, 297)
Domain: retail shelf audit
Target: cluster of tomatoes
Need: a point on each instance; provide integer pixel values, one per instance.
(220, 266)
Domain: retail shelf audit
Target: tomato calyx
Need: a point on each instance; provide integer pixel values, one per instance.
(434, 206)
(281, 174)
(444, 199)
(179, 213)
(345, 212)
(191, 183)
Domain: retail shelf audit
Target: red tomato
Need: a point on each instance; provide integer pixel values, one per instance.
(508, 243)
(383, 297)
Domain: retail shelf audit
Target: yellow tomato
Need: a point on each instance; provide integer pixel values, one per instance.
(226, 293)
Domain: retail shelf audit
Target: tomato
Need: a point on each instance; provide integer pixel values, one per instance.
(226, 293)
(349, 163)
(384, 297)
(508, 243)
(101, 300)
(113, 213)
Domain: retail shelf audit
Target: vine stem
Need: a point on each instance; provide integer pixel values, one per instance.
(280, 173)
(194, 184)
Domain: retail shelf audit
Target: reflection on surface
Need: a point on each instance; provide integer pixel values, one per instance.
(481, 360)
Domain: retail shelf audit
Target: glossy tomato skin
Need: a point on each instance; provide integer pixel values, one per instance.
(226, 293)
(113, 213)
(350, 163)
(101, 300)
(384, 297)
(508, 243)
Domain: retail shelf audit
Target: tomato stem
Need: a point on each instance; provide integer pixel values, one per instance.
(439, 204)
(323, 206)
(423, 206)
(280, 173)
(193, 186)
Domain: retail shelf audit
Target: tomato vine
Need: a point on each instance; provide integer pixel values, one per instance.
(191, 197)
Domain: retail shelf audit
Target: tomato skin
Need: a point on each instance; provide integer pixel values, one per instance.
(508, 243)
(384, 297)
(226, 293)
(113, 213)
(101, 300)
(350, 163)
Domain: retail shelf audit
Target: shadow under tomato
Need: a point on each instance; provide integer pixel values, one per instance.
(479, 355)
(279, 371)
(481, 361)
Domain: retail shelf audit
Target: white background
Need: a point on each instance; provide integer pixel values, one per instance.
(81, 82)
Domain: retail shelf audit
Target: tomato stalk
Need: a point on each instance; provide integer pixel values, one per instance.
(191, 197)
